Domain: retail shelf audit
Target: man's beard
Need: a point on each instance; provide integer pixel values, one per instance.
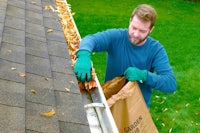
(138, 41)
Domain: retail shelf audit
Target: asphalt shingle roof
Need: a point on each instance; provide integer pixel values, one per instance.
(33, 59)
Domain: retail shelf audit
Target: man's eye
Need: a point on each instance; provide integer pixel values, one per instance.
(143, 31)
(134, 28)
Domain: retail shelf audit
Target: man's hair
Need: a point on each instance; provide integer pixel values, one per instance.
(145, 13)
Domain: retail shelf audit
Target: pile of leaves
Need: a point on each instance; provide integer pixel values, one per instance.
(71, 33)
(73, 38)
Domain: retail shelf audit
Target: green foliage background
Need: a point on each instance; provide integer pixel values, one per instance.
(178, 29)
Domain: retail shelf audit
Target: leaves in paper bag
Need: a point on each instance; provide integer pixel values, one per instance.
(48, 114)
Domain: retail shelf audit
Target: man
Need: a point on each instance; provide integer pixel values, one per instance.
(130, 52)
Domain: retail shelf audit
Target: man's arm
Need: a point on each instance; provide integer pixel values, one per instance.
(100, 41)
(162, 78)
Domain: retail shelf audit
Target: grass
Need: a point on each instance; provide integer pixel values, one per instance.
(177, 28)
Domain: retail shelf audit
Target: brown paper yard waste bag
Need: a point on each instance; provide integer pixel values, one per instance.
(113, 86)
(128, 107)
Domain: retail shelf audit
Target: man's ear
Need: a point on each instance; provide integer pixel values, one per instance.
(130, 20)
(151, 29)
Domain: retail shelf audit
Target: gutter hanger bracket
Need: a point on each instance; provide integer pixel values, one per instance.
(94, 105)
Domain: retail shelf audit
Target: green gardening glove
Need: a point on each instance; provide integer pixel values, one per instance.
(135, 74)
(83, 67)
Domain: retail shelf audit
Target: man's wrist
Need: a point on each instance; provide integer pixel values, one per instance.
(83, 53)
(145, 74)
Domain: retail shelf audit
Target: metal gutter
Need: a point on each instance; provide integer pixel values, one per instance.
(98, 109)
(98, 113)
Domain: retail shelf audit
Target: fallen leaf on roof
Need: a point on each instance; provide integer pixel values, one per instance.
(49, 7)
(46, 78)
(72, 82)
(33, 91)
(21, 74)
(48, 114)
(9, 51)
(67, 89)
(33, 2)
(13, 68)
(49, 30)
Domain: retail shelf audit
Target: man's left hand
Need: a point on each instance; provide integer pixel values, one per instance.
(135, 74)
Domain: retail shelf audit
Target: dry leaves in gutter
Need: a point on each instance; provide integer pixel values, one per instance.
(72, 38)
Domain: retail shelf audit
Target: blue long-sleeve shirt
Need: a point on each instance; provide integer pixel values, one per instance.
(121, 54)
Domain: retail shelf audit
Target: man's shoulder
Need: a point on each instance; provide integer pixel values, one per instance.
(120, 30)
(153, 42)
(116, 33)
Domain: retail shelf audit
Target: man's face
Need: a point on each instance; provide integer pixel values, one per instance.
(138, 31)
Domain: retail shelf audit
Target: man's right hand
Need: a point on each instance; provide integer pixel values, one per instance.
(83, 67)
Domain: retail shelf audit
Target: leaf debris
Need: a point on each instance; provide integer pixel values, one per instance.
(72, 37)
(67, 89)
(46, 78)
(13, 68)
(49, 7)
(49, 114)
(21, 74)
(33, 91)
(49, 30)
(9, 51)
(33, 2)
(72, 82)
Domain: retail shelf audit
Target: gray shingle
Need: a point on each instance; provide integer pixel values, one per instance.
(35, 70)
(12, 119)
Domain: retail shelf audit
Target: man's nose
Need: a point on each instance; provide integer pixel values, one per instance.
(136, 33)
